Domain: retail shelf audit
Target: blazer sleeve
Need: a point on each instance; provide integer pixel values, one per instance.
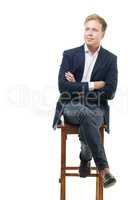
(63, 84)
(108, 92)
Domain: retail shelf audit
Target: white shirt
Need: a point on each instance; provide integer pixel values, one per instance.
(90, 60)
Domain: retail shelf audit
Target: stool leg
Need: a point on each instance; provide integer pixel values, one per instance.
(63, 165)
(99, 179)
(99, 187)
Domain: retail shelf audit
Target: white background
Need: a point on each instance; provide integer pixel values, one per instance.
(33, 35)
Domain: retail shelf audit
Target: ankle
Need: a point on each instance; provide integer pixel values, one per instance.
(104, 171)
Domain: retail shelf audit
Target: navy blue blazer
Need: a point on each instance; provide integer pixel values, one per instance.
(105, 69)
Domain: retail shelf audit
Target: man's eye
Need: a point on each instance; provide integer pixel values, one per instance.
(95, 30)
(87, 29)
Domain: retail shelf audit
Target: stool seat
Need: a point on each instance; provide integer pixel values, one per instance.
(67, 129)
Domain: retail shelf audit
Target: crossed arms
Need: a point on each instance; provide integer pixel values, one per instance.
(97, 84)
(67, 81)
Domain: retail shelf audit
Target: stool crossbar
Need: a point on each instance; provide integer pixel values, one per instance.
(71, 129)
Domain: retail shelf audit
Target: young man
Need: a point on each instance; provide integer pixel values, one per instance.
(87, 80)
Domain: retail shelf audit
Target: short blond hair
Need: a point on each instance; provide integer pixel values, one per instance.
(97, 18)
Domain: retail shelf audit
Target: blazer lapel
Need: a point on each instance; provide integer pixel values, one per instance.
(98, 64)
(80, 63)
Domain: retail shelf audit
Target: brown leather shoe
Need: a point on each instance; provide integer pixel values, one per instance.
(84, 169)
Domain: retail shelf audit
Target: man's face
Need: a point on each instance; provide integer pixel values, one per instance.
(93, 33)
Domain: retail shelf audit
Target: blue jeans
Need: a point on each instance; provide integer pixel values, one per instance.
(89, 118)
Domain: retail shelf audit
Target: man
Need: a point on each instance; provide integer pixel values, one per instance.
(87, 80)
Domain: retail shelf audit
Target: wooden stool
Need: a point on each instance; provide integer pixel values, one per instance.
(71, 129)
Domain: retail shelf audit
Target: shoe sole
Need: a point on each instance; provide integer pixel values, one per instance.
(110, 183)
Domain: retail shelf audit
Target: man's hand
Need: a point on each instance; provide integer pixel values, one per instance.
(70, 77)
(99, 85)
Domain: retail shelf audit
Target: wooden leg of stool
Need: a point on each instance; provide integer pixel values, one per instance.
(99, 187)
(99, 179)
(102, 135)
(62, 192)
(63, 165)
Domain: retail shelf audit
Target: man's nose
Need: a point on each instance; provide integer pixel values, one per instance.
(90, 32)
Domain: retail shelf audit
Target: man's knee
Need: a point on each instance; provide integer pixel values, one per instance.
(86, 114)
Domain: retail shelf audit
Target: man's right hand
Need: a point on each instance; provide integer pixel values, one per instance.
(99, 85)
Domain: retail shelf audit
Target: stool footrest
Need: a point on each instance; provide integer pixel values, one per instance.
(71, 168)
(77, 174)
(77, 168)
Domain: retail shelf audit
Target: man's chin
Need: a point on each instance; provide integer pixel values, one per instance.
(90, 44)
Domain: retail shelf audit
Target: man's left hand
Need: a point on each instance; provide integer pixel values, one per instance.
(70, 77)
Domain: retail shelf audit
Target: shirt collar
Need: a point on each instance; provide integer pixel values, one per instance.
(88, 51)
